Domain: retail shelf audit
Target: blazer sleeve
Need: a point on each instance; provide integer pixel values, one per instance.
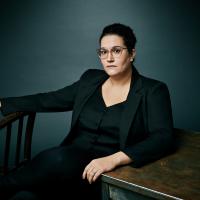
(54, 101)
(159, 140)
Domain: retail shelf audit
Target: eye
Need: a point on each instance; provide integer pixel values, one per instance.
(116, 50)
(103, 52)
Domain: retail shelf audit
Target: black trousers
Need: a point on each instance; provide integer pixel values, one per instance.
(52, 174)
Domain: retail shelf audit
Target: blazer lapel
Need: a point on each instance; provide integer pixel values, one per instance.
(133, 101)
(86, 92)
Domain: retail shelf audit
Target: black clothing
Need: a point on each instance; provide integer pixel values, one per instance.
(50, 174)
(24, 195)
(146, 121)
(137, 127)
(97, 135)
(98, 125)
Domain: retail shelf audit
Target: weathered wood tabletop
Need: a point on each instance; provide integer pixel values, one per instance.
(176, 176)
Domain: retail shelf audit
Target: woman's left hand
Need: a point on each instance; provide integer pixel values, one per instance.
(98, 166)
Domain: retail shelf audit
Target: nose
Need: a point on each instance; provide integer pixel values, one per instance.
(110, 57)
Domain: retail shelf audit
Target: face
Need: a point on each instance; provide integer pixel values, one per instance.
(118, 60)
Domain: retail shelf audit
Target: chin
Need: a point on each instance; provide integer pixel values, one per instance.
(112, 72)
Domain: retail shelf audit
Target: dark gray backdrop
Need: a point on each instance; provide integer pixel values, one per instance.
(48, 44)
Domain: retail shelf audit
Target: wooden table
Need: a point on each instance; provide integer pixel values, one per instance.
(176, 176)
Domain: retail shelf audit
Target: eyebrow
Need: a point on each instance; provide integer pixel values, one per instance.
(111, 47)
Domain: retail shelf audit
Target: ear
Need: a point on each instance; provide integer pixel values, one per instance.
(132, 55)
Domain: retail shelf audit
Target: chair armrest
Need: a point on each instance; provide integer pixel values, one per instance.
(11, 118)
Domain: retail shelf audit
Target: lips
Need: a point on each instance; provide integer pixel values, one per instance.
(109, 66)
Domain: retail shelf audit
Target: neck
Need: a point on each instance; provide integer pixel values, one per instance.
(122, 79)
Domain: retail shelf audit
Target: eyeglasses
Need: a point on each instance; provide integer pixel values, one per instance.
(116, 52)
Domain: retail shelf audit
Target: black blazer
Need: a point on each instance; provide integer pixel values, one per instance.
(146, 127)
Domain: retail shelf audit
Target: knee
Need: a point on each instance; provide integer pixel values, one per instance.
(51, 157)
(25, 195)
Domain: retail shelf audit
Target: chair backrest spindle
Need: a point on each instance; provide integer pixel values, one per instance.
(28, 136)
(7, 148)
(21, 139)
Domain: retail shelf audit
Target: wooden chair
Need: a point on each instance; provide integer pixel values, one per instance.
(25, 123)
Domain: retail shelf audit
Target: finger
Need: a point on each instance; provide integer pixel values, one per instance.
(84, 173)
(90, 175)
(87, 168)
(96, 175)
